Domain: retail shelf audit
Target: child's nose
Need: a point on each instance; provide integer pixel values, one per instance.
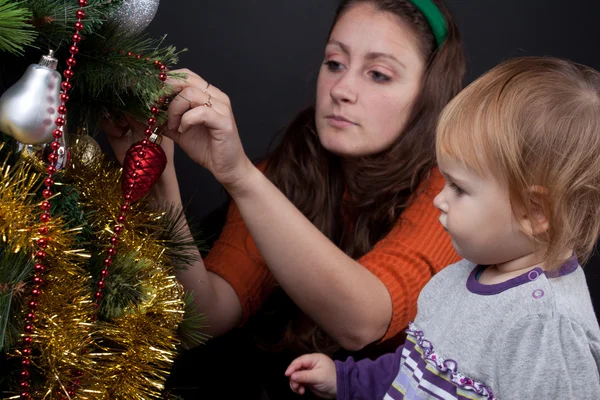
(440, 203)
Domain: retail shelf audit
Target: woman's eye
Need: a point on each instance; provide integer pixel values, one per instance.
(334, 66)
(379, 77)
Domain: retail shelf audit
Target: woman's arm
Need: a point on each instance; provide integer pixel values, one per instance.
(213, 296)
(344, 298)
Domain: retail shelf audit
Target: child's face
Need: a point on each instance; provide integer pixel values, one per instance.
(477, 213)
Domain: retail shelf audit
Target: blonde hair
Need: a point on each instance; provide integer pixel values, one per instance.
(534, 124)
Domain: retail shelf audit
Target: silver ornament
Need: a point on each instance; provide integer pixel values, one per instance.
(29, 108)
(133, 16)
(37, 154)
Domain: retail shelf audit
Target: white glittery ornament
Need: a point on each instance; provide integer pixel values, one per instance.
(29, 108)
(133, 16)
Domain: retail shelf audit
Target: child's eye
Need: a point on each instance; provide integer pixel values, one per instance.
(457, 189)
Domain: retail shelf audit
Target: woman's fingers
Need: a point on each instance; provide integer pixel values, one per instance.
(191, 98)
(207, 116)
(194, 80)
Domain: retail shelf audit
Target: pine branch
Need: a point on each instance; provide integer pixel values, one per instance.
(112, 80)
(181, 249)
(107, 80)
(15, 31)
(123, 289)
(14, 270)
(54, 19)
(192, 325)
(70, 210)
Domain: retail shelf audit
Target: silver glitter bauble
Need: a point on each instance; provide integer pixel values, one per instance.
(29, 108)
(37, 154)
(133, 16)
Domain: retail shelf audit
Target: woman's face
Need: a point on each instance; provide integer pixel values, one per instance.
(367, 84)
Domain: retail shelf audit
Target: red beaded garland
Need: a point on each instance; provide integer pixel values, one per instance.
(43, 241)
(127, 195)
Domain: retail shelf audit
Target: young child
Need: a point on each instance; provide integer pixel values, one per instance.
(520, 151)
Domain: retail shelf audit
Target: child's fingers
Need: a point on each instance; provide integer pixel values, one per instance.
(308, 377)
(295, 386)
(306, 361)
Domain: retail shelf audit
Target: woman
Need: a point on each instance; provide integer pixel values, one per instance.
(340, 218)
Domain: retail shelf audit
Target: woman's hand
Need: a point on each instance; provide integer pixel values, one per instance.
(201, 122)
(124, 132)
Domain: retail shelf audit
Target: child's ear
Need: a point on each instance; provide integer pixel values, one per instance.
(535, 222)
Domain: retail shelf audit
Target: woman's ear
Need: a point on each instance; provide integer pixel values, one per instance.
(535, 221)
(115, 127)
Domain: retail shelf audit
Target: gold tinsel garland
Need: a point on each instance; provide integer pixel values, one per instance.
(130, 356)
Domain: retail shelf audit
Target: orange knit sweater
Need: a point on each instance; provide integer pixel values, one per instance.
(405, 260)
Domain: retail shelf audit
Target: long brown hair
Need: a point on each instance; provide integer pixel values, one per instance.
(313, 178)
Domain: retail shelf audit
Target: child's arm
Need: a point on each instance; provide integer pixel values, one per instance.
(548, 357)
(365, 379)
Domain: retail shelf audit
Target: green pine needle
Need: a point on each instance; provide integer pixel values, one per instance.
(123, 289)
(15, 30)
(15, 268)
(181, 249)
(190, 330)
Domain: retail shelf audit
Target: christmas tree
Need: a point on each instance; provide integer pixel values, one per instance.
(89, 305)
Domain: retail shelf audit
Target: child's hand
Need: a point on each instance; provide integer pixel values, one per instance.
(315, 371)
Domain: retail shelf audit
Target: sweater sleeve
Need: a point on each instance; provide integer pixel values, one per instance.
(235, 258)
(367, 379)
(407, 258)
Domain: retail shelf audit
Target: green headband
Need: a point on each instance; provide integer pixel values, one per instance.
(435, 18)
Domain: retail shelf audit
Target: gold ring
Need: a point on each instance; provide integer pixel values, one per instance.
(188, 100)
(207, 103)
(206, 88)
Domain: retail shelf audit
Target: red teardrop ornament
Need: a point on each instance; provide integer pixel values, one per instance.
(150, 168)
